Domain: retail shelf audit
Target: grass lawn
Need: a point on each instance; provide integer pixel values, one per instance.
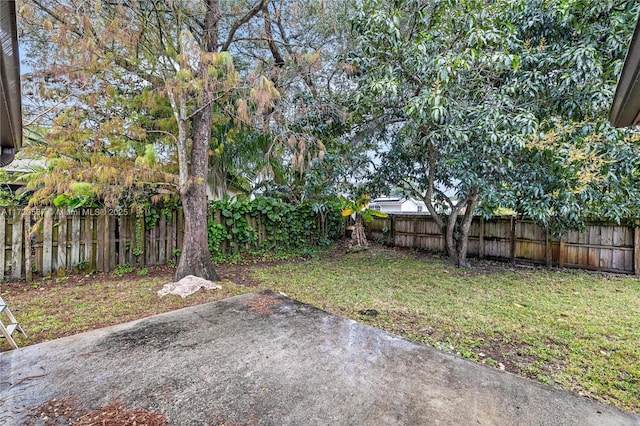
(577, 330)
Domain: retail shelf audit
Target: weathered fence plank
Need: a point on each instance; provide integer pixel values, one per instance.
(16, 245)
(162, 240)
(636, 249)
(481, 238)
(548, 248)
(171, 237)
(62, 264)
(180, 230)
(88, 258)
(512, 242)
(141, 238)
(37, 240)
(47, 242)
(122, 240)
(100, 244)
(106, 245)
(111, 237)
(131, 235)
(28, 271)
(3, 242)
(75, 241)
(151, 246)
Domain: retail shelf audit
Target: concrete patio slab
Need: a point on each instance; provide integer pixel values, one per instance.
(264, 359)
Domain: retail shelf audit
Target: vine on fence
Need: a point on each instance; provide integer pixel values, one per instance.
(137, 251)
(217, 233)
(269, 224)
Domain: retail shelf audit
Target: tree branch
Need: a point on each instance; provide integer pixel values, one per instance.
(240, 22)
(279, 60)
(48, 110)
(428, 199)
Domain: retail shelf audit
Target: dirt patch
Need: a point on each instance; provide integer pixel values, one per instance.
(263, 303)
(497, 351)
(516, 358)
(342, 247)
(240, 274)
(64, 412)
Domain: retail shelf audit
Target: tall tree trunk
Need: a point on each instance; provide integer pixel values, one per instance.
(465, 226)
(457, 233)
(195, 258)
(449, 235)
(452, 231)
(358, 237)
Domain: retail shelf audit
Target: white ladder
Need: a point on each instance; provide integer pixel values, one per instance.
(6, 330)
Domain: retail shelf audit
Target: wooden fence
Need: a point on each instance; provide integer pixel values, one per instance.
(601, 246)
(53, 241)
(49, 241)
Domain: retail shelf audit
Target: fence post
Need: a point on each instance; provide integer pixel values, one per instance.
(28, 272)
(75, 241)
(92, 262)
(101, 242)
(142, 238)
(636, 248)
(112, 257)
(171, 235)
(131, 258)
(109, 241)
(392, 232)
(548, 247)
(180, 231)
(162, 256)
(150, 246)
(122, 241)
(562, 255)
(512, 254)
(16, 245)
(62, 243)
(481, 238)
(3, 230)
(47, 242)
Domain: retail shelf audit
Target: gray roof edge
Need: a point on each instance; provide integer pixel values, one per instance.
(6, 156)
(10, 93)
(626, 101)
